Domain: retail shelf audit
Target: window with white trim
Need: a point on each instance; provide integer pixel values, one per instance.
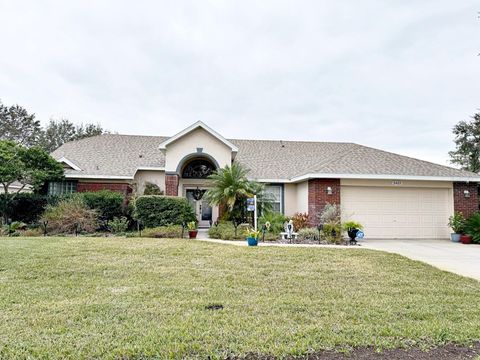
(62, 187)
(275, 194)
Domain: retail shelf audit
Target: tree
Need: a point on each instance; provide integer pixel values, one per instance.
(231, 188)
(27, 166)
(17, 125)
(467, 144)
(58, 132)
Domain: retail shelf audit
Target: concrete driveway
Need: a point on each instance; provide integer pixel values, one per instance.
(443, 254)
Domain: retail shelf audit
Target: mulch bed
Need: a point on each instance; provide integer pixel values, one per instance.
(446, 352)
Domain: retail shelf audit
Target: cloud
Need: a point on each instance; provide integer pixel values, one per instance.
(392, 75)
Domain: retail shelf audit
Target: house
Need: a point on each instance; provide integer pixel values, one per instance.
(394, 196)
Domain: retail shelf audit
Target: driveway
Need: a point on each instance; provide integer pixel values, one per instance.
(443, 254)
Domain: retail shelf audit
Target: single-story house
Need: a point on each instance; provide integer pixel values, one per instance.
(394, 196)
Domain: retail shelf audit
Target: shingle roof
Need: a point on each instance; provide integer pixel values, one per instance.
(121, 155)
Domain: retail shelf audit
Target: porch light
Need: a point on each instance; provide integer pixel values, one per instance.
(329, 190)
(466, 193)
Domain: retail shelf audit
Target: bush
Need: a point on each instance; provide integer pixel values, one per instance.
(70, 216)
(108, 204)
(25, 207)
(118, 225)
(300, 221)
(472, 227)
(226, 231)
(152, 189)
(457, 222)
(155, 210)
(276, 220)
(308, 234)
(172, 231)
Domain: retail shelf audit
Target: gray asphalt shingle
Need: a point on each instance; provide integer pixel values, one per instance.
(121, 155)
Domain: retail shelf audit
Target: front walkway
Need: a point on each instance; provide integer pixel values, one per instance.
(443, 254)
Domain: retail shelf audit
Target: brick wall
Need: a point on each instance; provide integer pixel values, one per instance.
(171, 185)
(318, 197)
(123, 188)
(465, 205)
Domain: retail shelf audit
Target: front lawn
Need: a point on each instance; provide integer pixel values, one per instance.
(133, 298)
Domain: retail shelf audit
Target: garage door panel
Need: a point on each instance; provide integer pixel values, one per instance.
(388, 212)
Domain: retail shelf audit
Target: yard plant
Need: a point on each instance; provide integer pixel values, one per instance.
(85, 298)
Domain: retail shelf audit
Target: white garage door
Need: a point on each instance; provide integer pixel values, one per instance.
(398, 213)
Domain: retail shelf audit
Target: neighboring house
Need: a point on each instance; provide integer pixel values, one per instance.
(16, 187)
(392, 195)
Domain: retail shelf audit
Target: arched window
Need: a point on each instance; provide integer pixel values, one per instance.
(198, 169)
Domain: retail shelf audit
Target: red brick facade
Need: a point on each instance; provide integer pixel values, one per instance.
(123, 188)
(465, 205)
(171, 185)
(318, 196)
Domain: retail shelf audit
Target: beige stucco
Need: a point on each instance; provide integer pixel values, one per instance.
(295, 198)
(151, 176)
(393, 183)
(302, 197)
(190, 143)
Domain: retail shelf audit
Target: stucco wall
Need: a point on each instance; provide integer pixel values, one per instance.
(188, 144)
(144, 176)
(391, 183)
(302, 197)
(295, 198)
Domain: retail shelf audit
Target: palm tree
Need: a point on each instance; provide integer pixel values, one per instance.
(229, 186)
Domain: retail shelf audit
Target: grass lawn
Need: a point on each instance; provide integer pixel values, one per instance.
(133, 298)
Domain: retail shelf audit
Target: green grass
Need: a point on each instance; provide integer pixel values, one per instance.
(133, 298)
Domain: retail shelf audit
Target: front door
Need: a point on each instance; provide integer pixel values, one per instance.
(202, 209)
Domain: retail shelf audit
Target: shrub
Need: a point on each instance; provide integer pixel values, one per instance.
(457, 222)
(330, 218)
(276, 220)
(70, 216)
(352, 225)
(152, 189)
(300, 221)
(226, 231)
(25, 207)
(155, 210)
(472, 227)
(108, 204)
(172, 231)
(332, 233)
(308, 234)
(118, 225)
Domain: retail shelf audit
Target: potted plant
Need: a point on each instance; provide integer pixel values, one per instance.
(192, 230)
(457, 224)
(472, 229)
(252, 237)
(352, 228)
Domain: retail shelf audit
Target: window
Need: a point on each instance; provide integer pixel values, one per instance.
(275, 194)
(198, 169)
(62, 187)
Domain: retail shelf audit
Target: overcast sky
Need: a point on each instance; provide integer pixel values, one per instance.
(391, 74)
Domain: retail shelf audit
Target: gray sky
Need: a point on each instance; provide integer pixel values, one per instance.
(391, 74)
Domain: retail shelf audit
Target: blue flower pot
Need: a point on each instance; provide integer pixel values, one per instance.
(252, 241)
(455, 237)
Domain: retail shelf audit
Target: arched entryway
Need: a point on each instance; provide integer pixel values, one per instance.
(194, 172)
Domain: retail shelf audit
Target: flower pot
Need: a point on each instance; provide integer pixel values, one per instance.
(466, 239)
(455, 237)
(252, 241)
(192, 234)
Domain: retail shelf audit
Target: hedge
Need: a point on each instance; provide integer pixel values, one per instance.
(25, 207)
(156, 210)
(108, 204)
